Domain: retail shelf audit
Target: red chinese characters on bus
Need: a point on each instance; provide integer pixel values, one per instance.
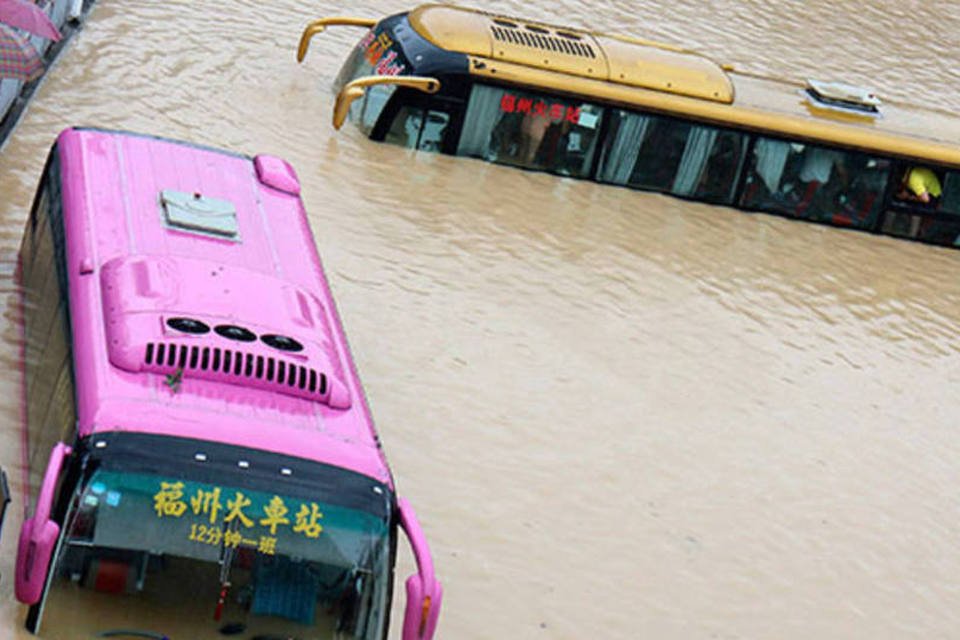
(378, 53)
(555, 111)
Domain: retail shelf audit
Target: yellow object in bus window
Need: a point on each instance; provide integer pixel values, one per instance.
(923, 183)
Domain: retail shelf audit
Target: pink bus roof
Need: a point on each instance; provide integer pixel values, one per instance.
(160, 231)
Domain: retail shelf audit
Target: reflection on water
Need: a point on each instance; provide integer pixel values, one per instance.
(618, 414)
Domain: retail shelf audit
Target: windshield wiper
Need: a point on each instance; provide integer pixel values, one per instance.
(227, 554)
(114, 633)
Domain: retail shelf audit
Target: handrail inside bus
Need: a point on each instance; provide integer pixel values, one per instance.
(356, 88)
(321, 24)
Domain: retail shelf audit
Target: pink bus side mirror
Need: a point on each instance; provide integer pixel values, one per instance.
(424, 593)
(39, 534)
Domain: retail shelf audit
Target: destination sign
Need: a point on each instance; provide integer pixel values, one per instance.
(235, 518)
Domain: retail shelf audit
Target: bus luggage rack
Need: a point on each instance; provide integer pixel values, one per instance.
(241, 367)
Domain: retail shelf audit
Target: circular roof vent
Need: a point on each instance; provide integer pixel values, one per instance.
(187, 325)
(234, 332)
(283, 343)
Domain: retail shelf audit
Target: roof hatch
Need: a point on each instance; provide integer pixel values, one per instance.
(844, 98)
(195, 213)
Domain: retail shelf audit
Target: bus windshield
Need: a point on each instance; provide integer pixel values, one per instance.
(169, 555)
(375, 55)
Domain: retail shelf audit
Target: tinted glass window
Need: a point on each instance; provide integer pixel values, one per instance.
(531, 130)
(415, 129)
(950, 200)
(925, 205)
(406, 126)
(435, 128)
(375, 54)
(189, 556)
(663, 154)
(366, 111)
(815, 183)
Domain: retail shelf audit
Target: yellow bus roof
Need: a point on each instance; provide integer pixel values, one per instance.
(671, 79)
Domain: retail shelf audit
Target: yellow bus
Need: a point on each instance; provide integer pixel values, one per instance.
(651, 116)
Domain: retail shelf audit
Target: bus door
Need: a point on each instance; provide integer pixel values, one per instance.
(924, 204)
(421, 121)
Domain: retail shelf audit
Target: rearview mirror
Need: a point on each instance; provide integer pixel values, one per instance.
(319, 26)
(342, 106)
(39, 535)
(424, 592)
(4, 497)
(356, 88)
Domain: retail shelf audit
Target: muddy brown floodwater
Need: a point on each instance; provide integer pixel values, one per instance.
(618, 414)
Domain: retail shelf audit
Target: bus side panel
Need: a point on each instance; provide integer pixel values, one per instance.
(49, 402)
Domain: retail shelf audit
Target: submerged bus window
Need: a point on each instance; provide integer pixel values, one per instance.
(663, 154)
(411, 129)
(815, 183)
(950, 200)
(936, 221)
(405, 129)
(531, 130)
(366, 111)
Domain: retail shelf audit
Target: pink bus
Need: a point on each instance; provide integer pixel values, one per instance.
(211, 466)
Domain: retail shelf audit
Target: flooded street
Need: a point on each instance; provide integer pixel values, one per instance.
(618, 414)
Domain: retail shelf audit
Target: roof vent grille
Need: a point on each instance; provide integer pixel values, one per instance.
(229, 365)
(540, 38)
(841, 97)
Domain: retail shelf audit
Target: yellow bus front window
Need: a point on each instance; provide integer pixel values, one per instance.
(366, 111)
(417, 128)
(375, 54)
(531, 130)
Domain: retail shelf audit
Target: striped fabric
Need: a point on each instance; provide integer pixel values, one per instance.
(18, 58)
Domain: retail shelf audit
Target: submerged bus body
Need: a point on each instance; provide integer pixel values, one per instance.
(211, 462)
(649, 116)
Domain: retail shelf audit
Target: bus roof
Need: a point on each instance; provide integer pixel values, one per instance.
(179, 258)
(674, 80)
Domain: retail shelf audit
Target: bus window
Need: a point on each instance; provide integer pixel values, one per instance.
(405, 130)
(530, 130)
(170, 541)
(681, 158)
(717, 179)
(366, 111)
(435, 128)
(946, 229)
(937, 220)
(815, 183)
(411, 129)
